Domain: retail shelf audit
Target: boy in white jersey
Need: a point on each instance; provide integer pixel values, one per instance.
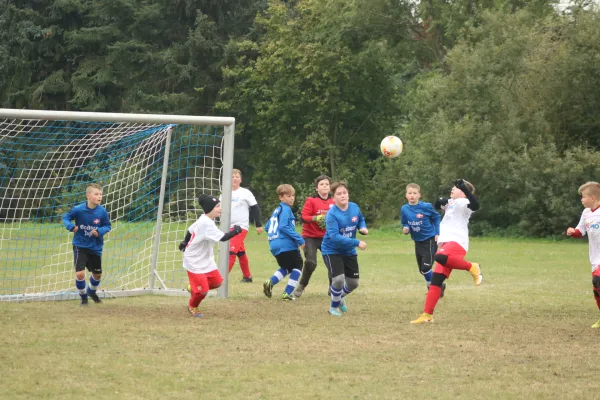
(243, 203)
(590, 224)
(453, 244)
(198, 256)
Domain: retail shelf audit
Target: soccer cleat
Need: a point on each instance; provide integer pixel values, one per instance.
(195, 312)
(423, 318)
(84, 301)
(268, 288)
(246, 280)
(335, 312)
(298, 291)
(95, 297)
(343, 305)
(475, 272)
(596, 325)
(287, 297)
(443, 289)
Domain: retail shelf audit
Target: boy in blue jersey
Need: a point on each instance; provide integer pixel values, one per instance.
(339, 247)
(284, 242)
(91, 224)
(423, 223)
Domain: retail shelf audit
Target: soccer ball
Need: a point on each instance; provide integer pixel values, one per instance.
(391, 146)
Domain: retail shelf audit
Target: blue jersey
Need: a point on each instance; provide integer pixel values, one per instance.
(422, 220)
(281, 229)
(87, 219)
(340, 235)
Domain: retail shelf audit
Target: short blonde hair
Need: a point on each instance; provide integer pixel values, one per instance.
(590, 188)
(285, 189)
(92, 186)
(469, 186)
(413, 186)
(336, 185)
(236, 171)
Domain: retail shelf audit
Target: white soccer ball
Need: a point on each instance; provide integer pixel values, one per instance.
(391, 146)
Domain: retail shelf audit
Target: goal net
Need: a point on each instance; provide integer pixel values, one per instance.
(152, 169)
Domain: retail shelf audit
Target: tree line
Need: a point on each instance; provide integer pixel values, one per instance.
(504, 93)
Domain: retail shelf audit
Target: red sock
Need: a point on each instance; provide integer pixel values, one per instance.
(197, 298)
(245, 265)
(456, 262)
(231, 261)
(433, 295)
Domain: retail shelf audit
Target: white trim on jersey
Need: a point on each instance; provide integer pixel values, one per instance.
(199, 256)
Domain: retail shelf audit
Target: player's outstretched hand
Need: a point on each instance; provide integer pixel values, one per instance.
(362, 245)
(182, 246)
(237, 229)
(363, 231)
(460, 183)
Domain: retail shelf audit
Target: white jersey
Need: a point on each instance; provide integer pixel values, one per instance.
(199, 256)
(455, 224)
(241, 201)
(590, 224)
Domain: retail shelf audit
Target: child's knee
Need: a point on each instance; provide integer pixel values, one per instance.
(80, 275)
(337, 282)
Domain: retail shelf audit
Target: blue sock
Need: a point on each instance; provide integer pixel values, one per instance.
(293, 281)
(93, 285)
(428, 276)
(336, 297)
(278, 275)
(80, 285)
(345, 291)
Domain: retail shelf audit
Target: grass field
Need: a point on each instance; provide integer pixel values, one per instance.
(524, 333)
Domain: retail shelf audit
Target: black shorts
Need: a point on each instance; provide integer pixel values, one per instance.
(338, 264)
(290, 260)
(85, 258)
(424, 251)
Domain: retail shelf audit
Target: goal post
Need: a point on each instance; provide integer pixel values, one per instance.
(152, 168)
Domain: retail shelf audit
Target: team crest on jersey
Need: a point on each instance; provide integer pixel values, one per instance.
(419, 215)
(96, 221)
(354, 219)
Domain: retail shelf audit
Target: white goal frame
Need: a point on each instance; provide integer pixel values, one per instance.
(227, 154)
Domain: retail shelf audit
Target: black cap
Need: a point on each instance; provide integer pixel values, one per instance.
(208, 202)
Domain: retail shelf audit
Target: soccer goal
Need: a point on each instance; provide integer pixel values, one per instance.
(152, 169)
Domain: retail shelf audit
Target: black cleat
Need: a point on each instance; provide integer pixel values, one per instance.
(247, 280)
(95, 297)
(84, 301)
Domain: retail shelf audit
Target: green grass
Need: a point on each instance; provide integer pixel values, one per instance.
(525, 333)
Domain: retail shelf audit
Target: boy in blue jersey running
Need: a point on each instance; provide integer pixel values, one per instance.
(423, 223)
(91, 224)
(284, 242)
(339, 246)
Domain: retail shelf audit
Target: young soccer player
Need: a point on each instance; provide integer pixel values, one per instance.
(423, 223)
(313, 229)
(91, 224)
(243, 203)
(339, 247)
(198, 256)
(453, 243)
(284, 242)
(590, 224)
